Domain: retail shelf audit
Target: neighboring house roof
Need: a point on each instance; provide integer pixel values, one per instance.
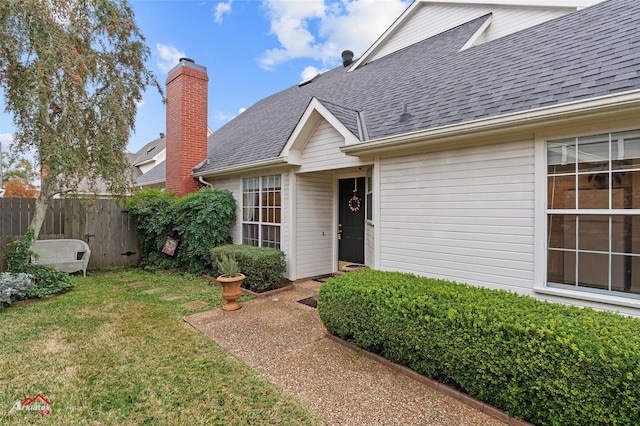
(150, 151)
(153, 151)
(590, 53)
(156, 175)
(148, 154)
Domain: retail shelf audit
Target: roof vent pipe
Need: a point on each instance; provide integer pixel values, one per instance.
(347, 58)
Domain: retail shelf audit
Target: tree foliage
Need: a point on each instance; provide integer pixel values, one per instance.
(72, 72)
(19, 188)
(15, 165)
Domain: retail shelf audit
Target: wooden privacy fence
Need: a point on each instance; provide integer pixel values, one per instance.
(108, 228)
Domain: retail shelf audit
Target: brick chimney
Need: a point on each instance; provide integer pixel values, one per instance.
(187, 86)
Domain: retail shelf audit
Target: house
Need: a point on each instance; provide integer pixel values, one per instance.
(493, 145)
(149, 156)
(149, 163)
(141, 162)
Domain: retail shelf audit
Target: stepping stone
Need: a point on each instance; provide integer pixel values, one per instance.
(196, 304)
(154, 290)
(138, 285)
(172, 297)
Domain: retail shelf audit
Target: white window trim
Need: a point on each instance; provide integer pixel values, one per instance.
(540, 237)
(260, 222)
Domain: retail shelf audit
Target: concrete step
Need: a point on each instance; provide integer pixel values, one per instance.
(309, 287)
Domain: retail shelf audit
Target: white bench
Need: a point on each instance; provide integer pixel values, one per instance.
(63, 254)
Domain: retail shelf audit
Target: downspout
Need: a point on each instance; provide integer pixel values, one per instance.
(204, 182)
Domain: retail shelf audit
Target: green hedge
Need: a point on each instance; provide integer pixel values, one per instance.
(546, 363)
(263, 266)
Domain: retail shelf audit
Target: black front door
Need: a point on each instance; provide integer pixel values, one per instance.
(351, 220)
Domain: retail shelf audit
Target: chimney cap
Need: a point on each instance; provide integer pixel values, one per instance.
(347, 58)
(187, 62)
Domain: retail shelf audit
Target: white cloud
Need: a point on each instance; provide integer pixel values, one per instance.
(290, 24)
(310, 72)
(6, 139)
(322, 29)
(220, 117)
(221, 9)
(168, 56)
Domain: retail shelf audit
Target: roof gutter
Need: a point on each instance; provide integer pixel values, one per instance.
(152, 182)
(590, 106)
(276, 161)
(143, 162)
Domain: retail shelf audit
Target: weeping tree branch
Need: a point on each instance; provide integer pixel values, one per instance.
(72, 72)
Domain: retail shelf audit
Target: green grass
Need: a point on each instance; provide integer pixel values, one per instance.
(106, 353)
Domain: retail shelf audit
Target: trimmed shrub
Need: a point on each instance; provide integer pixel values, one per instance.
(14, 287)
(263, 266)
(546, 363)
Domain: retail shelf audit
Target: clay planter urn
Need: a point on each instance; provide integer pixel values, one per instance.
(230, 279)
(231, 291)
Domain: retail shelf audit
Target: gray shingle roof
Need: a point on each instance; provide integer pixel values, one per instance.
(149, 151)
(155, 175)
(590, 53)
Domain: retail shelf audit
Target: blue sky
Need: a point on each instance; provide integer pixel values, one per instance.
(253, 48)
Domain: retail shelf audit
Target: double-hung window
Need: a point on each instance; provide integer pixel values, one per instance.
(261, 211)
(593, 213)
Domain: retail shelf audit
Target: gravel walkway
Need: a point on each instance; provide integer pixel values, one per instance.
(286, 342)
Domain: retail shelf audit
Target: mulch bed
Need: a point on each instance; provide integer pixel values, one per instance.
(310, 301)
(284, 285)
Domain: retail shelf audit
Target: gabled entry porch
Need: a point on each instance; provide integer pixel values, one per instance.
(328, 227)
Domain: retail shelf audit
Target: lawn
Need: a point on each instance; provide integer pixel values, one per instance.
(108, 353)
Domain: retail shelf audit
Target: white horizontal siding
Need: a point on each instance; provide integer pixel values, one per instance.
(510, 20)
(322, 151)
(433, 19)
(369, 252)
(466, 215)
(314, 224)
(233, 185)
